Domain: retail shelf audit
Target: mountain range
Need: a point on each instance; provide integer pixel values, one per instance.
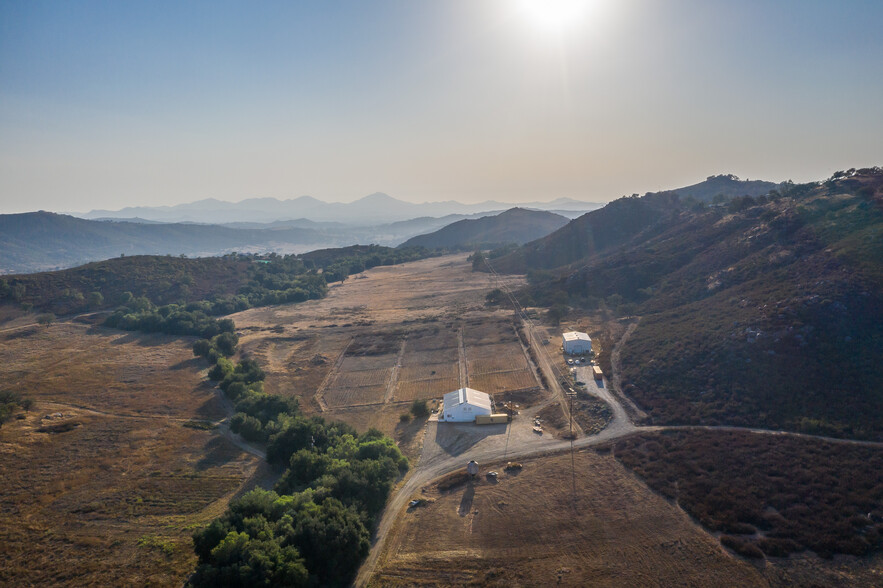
(45, 241)
(374, 209)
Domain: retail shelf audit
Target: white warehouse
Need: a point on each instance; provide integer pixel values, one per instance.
(463, 405)
(576, 343)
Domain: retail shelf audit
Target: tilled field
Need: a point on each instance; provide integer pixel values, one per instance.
(379, 342)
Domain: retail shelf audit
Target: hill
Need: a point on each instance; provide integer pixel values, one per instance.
(594, 233)
(725, 186)
(39, 241)
(219, 285)
(767, 311)
(516, 225)
(42, 241)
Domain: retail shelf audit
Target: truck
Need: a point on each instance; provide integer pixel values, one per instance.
(597, 373)
(491, 419)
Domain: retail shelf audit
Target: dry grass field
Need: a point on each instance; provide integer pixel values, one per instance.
(103, 482)
(383, 339)
(543, 527)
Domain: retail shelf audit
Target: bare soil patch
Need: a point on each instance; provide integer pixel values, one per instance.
(500, 382)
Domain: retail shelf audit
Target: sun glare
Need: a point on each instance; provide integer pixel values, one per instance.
(554, 15)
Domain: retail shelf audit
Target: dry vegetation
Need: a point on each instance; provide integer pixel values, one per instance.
(105, 478)
(541, 526)
(770, 495)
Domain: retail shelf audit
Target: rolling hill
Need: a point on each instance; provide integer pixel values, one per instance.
(517, 225)
(766, 311)
(40, 241)
(43, 241)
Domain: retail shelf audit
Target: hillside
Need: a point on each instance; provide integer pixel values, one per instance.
(231, 283)
(594, 233)
(161, 279)
(39, 241)
(516, 225)
(767, 311)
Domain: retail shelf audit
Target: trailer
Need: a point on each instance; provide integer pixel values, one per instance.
(597, 373)
(491, 419)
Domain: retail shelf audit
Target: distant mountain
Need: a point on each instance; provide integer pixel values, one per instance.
(374, 209)
(516, 225)
(43, 241)
(39, 241)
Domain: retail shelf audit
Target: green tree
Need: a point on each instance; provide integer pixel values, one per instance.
(95, 300)
(419, 408)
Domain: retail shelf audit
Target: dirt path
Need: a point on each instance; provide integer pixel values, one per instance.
(461, 349)
(616, 376)
(320, 391)
(394, 374)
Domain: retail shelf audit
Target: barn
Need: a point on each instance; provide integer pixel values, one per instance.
(576, 343)
(463, 405)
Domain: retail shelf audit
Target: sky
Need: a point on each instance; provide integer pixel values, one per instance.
(111, 104)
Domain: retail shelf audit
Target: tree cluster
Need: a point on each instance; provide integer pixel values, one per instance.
(10, 403)
(314, 529)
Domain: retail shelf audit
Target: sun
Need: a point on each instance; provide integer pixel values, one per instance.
(554, 15)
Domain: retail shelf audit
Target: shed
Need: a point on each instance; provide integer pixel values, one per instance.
(463, 405)
(576, 343)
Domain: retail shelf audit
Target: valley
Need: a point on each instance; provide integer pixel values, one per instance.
(152, 457)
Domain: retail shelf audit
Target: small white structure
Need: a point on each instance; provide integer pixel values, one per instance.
(576, 343)
(462, 406)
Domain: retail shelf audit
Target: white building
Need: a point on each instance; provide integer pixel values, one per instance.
(576, 343)
(461, 406)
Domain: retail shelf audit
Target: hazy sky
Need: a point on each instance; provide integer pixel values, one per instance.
(112, 104)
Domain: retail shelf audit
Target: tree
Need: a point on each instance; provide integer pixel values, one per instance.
(493, 297)
(556, 313)
(202, 347)
(478, 264)
(419, 409)
(226, 343)
(46, 319)
(95, 300)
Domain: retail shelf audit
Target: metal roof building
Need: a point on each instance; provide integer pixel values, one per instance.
(576, 343)
(462, 406)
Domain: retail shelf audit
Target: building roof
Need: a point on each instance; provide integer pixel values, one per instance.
(576, 336)
(467, 395)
